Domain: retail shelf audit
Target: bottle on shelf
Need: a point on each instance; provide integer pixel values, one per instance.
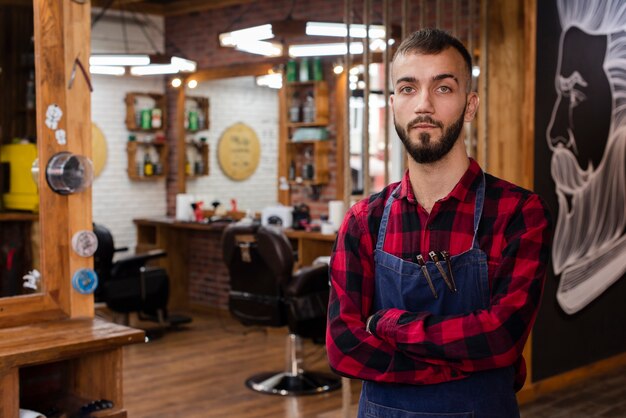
(156, 118)
(308, 170)
(308, 109)
(148, 166)
(318, 71)
(193, 120)
(201, 120)
(146, 119)
(292, 171)
(294, 108)
(305, 72)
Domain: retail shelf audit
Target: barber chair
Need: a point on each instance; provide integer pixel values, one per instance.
(265, 291)
(129, 285)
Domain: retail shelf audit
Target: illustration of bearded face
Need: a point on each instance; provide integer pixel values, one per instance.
(589, 171)
(583, 95)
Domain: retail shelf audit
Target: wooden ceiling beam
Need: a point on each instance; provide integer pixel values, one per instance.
(190, 6)
(168, 9)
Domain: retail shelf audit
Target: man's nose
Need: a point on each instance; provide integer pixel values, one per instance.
(423, 102)
(558, 129)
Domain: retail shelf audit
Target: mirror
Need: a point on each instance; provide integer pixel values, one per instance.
(241, 142)
(19, 226)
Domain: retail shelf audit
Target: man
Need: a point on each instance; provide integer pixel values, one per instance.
(436, 280)
(587, 136)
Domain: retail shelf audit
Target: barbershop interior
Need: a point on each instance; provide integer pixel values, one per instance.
(174, 174)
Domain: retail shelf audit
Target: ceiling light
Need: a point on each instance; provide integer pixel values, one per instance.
(317, 50)
(268, 49)
(255, 33)
(338, 69)
(154, 69)
(107, 70)
(192, 84)
(176, 82)
(119, 59)
(339, 29)
(273, 81)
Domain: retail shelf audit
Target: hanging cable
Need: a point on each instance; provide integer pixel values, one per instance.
(101, 13)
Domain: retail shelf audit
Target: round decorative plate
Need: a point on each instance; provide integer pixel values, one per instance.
(239, 151)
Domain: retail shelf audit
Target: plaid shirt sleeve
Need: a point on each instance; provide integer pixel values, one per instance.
(422, 348)
(352, 351)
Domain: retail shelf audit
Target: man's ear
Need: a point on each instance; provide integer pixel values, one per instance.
(472, 107)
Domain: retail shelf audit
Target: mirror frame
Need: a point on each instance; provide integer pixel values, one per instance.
(62, 48)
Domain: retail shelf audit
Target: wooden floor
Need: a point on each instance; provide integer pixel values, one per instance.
(200, 372)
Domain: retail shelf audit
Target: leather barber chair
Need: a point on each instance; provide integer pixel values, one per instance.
(129, 285)
(264, 291)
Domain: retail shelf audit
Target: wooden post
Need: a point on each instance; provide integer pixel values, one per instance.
(62, 45)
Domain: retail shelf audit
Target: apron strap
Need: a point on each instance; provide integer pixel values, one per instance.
(478, 209)
(382, 229)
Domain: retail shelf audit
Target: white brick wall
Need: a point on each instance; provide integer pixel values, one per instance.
(116, 199)
(240, 100)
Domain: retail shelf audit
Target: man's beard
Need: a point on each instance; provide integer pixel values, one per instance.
(428, 152)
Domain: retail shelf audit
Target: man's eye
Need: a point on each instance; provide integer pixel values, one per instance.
(444, 89)
(406, 89)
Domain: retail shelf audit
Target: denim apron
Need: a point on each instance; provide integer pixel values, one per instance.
(401, 284)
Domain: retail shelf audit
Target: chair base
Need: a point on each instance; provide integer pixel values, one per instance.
(284, 384)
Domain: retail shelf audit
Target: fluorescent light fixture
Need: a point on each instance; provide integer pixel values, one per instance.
(255, 33)
(265, 48)
(107, 70)
(154, 69)
(184, 65)
(317, 50)
(119, 59)
(339, 29)
(273, 81)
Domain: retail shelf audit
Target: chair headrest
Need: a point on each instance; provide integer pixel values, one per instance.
(271, 244)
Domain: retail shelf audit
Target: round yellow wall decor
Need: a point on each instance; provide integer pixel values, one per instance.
(239, 151)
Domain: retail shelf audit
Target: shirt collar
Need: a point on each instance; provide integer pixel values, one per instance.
(463, 191)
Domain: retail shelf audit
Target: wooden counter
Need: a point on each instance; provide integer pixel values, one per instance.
(63, 364)
(198, 276)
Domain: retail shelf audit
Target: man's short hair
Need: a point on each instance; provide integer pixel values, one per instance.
(433, 41)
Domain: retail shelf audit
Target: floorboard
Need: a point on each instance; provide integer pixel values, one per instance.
(199, 372)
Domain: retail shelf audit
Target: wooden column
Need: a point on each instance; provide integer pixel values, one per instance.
(62, 40)
(510, 150)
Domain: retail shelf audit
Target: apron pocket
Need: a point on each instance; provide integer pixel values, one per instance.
(373, 410)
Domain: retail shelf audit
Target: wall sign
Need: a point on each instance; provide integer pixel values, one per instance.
(239, 151)
(580, 171)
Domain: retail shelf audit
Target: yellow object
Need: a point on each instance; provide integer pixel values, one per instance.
(239, 151)
(23, 193)
(99, 150)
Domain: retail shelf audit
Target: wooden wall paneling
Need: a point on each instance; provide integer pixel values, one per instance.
(9, 392)
(98, 376)
(508, 151)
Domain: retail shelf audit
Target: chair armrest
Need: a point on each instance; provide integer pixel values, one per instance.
(306, 296)
(133, 263)
(308, 279)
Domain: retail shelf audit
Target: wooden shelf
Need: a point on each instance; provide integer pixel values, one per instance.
(202, 150)
(202, 106)
(134, 147)
(300, 90)
(159, 102)
(67, 354)
(319, 153)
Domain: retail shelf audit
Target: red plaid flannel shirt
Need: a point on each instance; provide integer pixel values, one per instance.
(419, 347)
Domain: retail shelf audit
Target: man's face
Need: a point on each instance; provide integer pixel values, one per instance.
(581, 117)
(430, 102)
